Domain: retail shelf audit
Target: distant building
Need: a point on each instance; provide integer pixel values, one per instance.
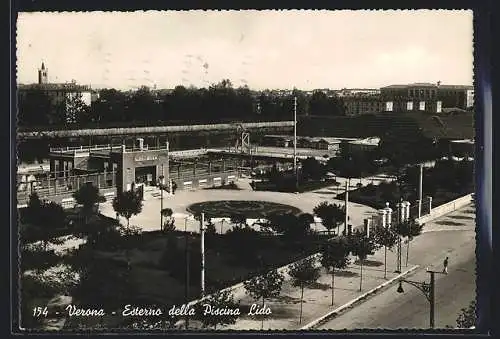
(357, 92)
(356, 105)
(361, 145)
(458, 96)
(59, 93)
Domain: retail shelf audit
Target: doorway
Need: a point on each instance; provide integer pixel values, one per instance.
(146, 175)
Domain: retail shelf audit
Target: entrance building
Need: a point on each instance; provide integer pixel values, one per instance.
(129, 166)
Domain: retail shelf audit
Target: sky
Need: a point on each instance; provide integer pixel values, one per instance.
(261, 49)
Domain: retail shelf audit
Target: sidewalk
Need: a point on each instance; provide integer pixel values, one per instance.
(317, 298)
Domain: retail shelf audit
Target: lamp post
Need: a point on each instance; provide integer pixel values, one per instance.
(295, 144)
(202, 232)
(161, 199)
(428, 289)
(186, 238)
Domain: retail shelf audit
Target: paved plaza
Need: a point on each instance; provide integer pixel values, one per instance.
(149, 218)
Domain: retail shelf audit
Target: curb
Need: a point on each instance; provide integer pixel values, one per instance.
(335, 312)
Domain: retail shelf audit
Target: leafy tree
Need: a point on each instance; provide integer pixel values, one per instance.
(239, 220)
(37, 257)
(105, 282)
(385, 236)
(335, 255)
(34, 108)
(362, 246)
(467, 317)
(127, 204)
(289, 225)
(303, 273)
(265, 286)
(408, 229)
(222, 300)
(88, 196)
(76, 109)
(169, 221)
(331, 215)
(243, 243)
(312, 169)
(44, 219)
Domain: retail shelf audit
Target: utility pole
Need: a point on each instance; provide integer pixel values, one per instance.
(432, 300)
(187, 243)
(347, 182)
(202, 232)
(398, 257)
(162, 177)
(420, 190)
(295, 143)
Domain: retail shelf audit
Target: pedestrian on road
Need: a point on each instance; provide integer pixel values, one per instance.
(445, 265)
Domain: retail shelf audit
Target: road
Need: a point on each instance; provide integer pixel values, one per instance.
(410, 309)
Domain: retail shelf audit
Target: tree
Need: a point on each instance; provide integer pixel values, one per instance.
(76, 109)
(303, 273)
(331, 215)
(88, 196)
(410, 229)
(239, 220)
(222, 300)
(362, 246)
(335, 255)
(467, 317)
(289, 225)
(265, 286)
(105, 282)
(44, 220)
(127, 204)
(384, 236)
(312, 169)
(169, 223)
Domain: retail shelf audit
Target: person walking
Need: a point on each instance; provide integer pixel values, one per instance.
(445, 265)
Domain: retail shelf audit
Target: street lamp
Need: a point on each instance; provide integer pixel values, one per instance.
(161, 177)
(428, 289)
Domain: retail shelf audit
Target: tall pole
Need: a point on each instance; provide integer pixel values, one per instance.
(202, 231)
(398, 264)
(432, 301)
(420, 190)
(346, 205)
(295, 143)
(187, 268)
(161, 198)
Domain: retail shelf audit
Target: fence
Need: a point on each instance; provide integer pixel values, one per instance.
(57, 186)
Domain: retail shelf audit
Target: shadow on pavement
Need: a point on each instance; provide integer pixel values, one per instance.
(461, 217)
(347, 274)
(318, 286)
(370, 263)
(286, 299)
(449, 223)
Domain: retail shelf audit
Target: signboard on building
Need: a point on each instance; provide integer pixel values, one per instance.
(144, 157)
(388, 106)
(439, 106)
(422, 106)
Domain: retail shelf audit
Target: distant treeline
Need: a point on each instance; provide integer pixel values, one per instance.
(219, 103)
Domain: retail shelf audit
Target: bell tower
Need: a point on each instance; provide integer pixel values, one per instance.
(42, 75)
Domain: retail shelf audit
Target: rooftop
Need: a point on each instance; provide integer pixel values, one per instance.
(428, 84)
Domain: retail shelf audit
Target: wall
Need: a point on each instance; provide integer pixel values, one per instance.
(199, 182)
(447, 208)
(130, 160)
